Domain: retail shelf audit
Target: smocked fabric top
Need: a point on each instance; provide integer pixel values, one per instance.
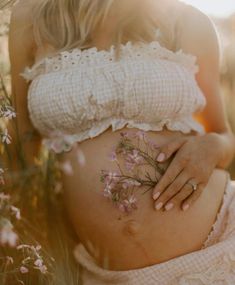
(78, 94)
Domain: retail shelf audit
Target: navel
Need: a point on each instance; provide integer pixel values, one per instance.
(131, 228)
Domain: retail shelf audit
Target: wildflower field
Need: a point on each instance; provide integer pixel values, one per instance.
(24, 255)
(26, 222)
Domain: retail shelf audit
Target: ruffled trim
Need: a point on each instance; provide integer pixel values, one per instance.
(61, 142)
(217, 227)
(91, 57)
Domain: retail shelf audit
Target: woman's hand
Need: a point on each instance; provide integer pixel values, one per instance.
(194, 161)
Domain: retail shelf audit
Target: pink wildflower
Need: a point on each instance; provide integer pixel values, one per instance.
(133, 159)
(107, 191)
(81, 158)
(16, 212)
(38, 262)
(130, 183)
(40, 266)
(6, 138)
(24, 269)
(113, 156)
(4, 197)
(124, 134)
(7, 235)
(67, 168)
(59, 141)
(43, 269)
(128, 204)
(111, 177)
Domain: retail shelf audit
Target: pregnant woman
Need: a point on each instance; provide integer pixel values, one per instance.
(86, 71)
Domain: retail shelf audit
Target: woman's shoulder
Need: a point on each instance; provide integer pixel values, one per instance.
(21, 25)
(22, 10)
(196, 32)
(191, 18)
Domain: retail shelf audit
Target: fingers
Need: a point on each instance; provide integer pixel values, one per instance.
(168, 177)
(167, 150)
(193, 197)
(175, 192)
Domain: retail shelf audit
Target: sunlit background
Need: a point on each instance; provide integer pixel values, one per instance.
(219, 8)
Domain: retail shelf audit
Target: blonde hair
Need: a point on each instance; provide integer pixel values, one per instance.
(68, 24)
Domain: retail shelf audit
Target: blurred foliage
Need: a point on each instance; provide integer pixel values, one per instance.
(38, 193)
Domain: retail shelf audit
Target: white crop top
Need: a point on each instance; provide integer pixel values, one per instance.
(78, 94)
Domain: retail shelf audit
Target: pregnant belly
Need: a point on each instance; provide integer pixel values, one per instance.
(144, 237)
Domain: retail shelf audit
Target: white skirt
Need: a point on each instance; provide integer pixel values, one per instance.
(214, 264)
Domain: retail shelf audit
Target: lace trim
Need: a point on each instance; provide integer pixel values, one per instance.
(59, 141)
(216, 229)
(219, 270)
(92, 57)
(222, 272)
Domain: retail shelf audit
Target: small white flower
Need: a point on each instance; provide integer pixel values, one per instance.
(40, 266)
(81, 158)
(4, 197)
(6, 138)
(7, 235)
(8, 113)
(16, 212)
(43, 269)
(108, 191)
(59, 142)
(38, 247)
(67, 168)
(38, 262)
(113, 156)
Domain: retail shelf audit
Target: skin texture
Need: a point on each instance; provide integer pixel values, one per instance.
(145, 237)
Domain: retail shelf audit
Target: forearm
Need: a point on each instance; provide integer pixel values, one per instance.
(224, 147)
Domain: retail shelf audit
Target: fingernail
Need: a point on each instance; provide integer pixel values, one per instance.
(185, 207)
(169, 206)
(156, 195)
(158, 206)
(161, 157)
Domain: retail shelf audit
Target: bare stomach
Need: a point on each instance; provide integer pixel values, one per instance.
(145, 237)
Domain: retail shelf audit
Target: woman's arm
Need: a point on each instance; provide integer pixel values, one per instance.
(199, 37)
(197, 156)
(21, 50)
